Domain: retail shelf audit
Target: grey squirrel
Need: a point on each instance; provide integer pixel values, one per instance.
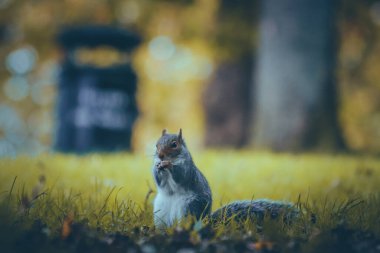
(183, 190)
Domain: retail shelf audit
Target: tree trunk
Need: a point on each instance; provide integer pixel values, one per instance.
(296, 92)
(227, 103)
(227, 98)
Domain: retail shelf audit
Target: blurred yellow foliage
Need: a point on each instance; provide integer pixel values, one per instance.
(170, 90)
(100, 57)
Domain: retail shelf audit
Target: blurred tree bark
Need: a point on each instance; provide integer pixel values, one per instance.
(227, 99)
(226, 104)
(296, 95)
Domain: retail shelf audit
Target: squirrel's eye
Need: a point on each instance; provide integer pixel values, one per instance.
(173, 144)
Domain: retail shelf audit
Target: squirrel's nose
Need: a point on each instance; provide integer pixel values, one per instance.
(161, 155)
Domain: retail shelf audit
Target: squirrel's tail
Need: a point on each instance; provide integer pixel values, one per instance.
(255, 210)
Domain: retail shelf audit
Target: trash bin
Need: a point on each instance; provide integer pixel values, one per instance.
(96, 106)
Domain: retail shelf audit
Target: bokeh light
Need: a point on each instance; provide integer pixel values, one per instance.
(16, 88)
(175, 64)
(21, 61)
(13, 131)
(161, 48)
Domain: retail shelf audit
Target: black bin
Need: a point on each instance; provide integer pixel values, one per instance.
(96, 106)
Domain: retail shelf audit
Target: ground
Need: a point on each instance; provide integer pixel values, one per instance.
(102, 203)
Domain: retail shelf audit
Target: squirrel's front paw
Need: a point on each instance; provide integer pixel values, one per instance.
(163, 165)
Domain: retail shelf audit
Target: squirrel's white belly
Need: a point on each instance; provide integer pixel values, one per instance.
(170, 208)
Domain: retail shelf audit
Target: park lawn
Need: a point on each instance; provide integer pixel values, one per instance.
(62, 198)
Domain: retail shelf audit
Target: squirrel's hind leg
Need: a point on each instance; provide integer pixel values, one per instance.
(199, 208)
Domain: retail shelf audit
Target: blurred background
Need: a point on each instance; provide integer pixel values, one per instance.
(289, 75)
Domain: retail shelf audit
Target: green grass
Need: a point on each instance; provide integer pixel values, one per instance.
(101, 195)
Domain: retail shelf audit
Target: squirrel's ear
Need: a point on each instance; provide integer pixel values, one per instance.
(164, 132)
(180, 135)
